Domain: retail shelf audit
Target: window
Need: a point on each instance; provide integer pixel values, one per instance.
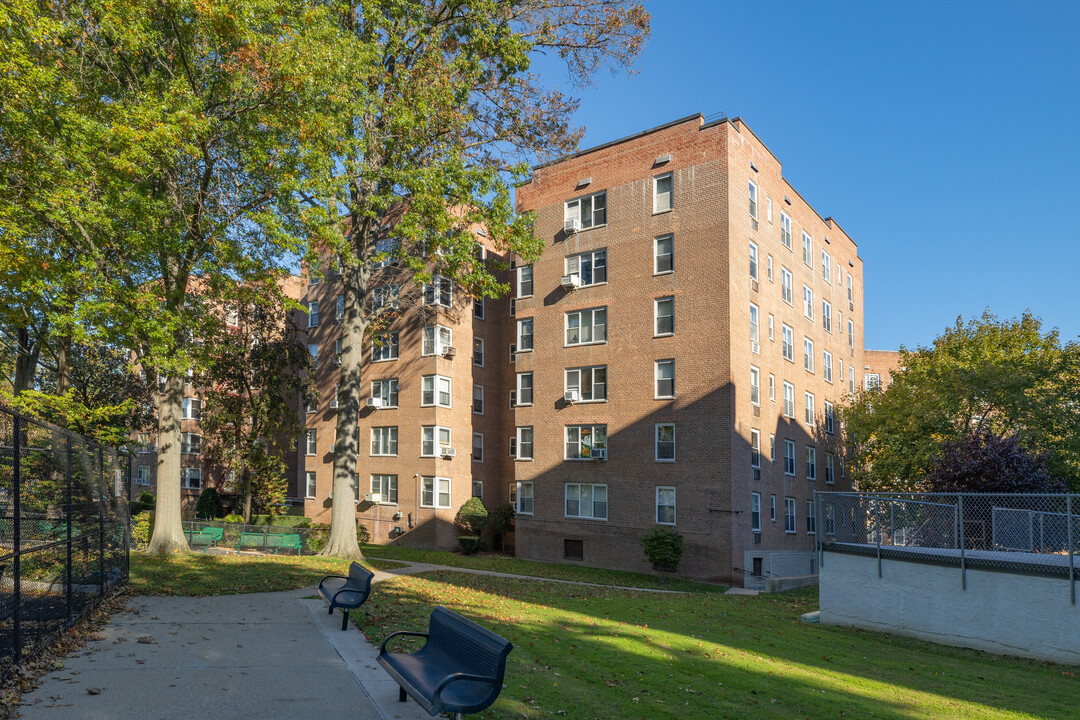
(808, 302)
(826, 266)
(439, 291)
(788, 340)
(753, 200)
(339, 309)
(785, 230)
(811, 464)
(478, 351)
(512, 353)
(830, 420)
(789, 515)
(477, 447)
(789, 400)
(386, 391)
(433, 439)
(585, 327)
(435, 390)
(384, 441)
(384, 296)
(511, 492)
(309, 484)
(142, 475)
(437, 340)
(851, 334)
(513, 307)
(768, 208)
(771, 325)
(755, 512)
(665, 378)
(312, 445)
(768, 268)
(851, 379)
(590, 383)
(665, 506)
(525, 498)
(809, 397)
(386, 250)
(755, 448)
(524, 388)
(755, 386)
(586, 501)
(525, 335)
(478, 488)
(478, 308)
(586, 442)
(143, 443)
(313, 314)
(772, 508)
(190, 444)
(850, 293)
(785, 284)
(872, 381)
(772, 447)
(513, 446)
(313, 350)
(589, 211)
(772, 388)
(191, 478)
(386, 487)
(808, 354)
(384, 347)
(435, 492)
(826, 316)
(811, 518)
(753, 327)
(753, 262)
(789, 457)
(662, 193)
(591, 267)
(665, 316)
(665, 442)
(826, 364)
(478, 399)
(525, 443)
(525, 281)
(664, 255)
(192, 409)
(807, 249)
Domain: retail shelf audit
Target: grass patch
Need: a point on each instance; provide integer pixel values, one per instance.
(555, 571)
(201, 574)
(587, 652)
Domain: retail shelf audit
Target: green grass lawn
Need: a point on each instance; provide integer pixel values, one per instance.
(583, 652)
(200, 574)
(514, 566)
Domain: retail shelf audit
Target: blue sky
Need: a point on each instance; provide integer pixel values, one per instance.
(944, 138)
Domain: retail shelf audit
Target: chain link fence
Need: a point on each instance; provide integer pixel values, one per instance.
(1035, 534)
(213, 536)
(63, 532)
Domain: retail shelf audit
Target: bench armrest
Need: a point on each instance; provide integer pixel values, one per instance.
(382, 648)
(328, 577)
(461, 676)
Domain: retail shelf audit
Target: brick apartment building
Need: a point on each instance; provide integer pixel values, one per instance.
(880, 366)
(675, 357)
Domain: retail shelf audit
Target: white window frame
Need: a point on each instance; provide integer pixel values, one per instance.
(826, 266)
(385, 389)
(384, 438)
(142, 475)
(386, 486)
(830, 418)
(755, 386)
(578, 384)
(192, 409)
(790, 519)
(789, 400)
(755, 512)
(772, 508)
(670, 362)
(524, 383)
(313, 314)
(789, 457)
(311, 442)
(808, 354)
(479, 411)
(575, 264)
(310, 484)
(808, 302)
(657, 205)
(436, 433)
(786, 281)
(753, 261)
(436, 390)
(435, 487)
(657, 255)
(808, 250)
(826, 316)
(752, 196)
(579, 203)
(191, 478)
(523, 430)
(663, 490)
(521, 325)
(191, 443)
(830, 469)
(479, 459)
(826, 366)
(435, 340)
(339, 309)
(787, 340)
(522, 280)
(594, 502)
(593, 326)
(772, 388)
(439, 292)
(811, 464)
(478, 351)
(657, 316)
(313, 351)
(772, 325)
(811, 418)
(593, 431)
(387, 350)
(755, 448)
(525, 498)
(755, 333)
(785, 230)
(478, 308)
(811, 518)
(657, 441)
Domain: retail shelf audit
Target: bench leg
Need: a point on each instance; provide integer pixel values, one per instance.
(401, 696)
(344, 619)
(331, 610)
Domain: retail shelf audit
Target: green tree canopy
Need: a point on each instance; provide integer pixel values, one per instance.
(1002, 377)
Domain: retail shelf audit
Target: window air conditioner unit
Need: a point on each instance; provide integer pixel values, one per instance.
(754, 285)
(449, 353)
(755, 348)
(757, 473)
(333, 404)
(571, 281)
(571, 396)
(599, 453)
(374, 402)
(373, 497)
(757, 538)
(449, 452)
(571, 226)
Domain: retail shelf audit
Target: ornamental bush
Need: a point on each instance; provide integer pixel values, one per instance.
(469, 544)
(473, 516)
(663, 547)
(209, 505)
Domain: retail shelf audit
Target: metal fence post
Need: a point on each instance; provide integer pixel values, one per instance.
(1072, 562)
(960, 536)
(821, 534)
(16, 489)
(101, 523)
(68, 519)
(877, 531)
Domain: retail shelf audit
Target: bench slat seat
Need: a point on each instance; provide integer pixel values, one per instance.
(458, 670)
(347, 593)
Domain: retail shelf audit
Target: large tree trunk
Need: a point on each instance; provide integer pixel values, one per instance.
(168, 528)
(63, 365)
(247, 495)
(26, 359)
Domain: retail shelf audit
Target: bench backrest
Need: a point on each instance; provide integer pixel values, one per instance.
(360, 576)
(477, 648)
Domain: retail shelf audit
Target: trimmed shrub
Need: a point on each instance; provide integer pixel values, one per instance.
(209, 505)
(234, 518)
(142, 526)
(286, 521)
(473, 516)
(663, 547)
(317, 537)
(469, 544)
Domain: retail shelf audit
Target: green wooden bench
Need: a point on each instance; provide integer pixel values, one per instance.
(284, 541)
(251, 540)
(207, 537)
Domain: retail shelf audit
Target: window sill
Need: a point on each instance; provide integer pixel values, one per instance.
(434, 405)
(602, 342)
(664, 335)
(667, 461)
(656, 212)
(665, 272)
(517, 459)
(384, 360)
(522, 352)
(382, 456)
(663, 397)
(523, 297)
(518, 405)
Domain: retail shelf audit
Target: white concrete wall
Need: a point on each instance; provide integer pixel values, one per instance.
(999, 612)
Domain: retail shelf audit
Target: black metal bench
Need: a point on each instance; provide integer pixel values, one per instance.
(459, 669)
(347, 593)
